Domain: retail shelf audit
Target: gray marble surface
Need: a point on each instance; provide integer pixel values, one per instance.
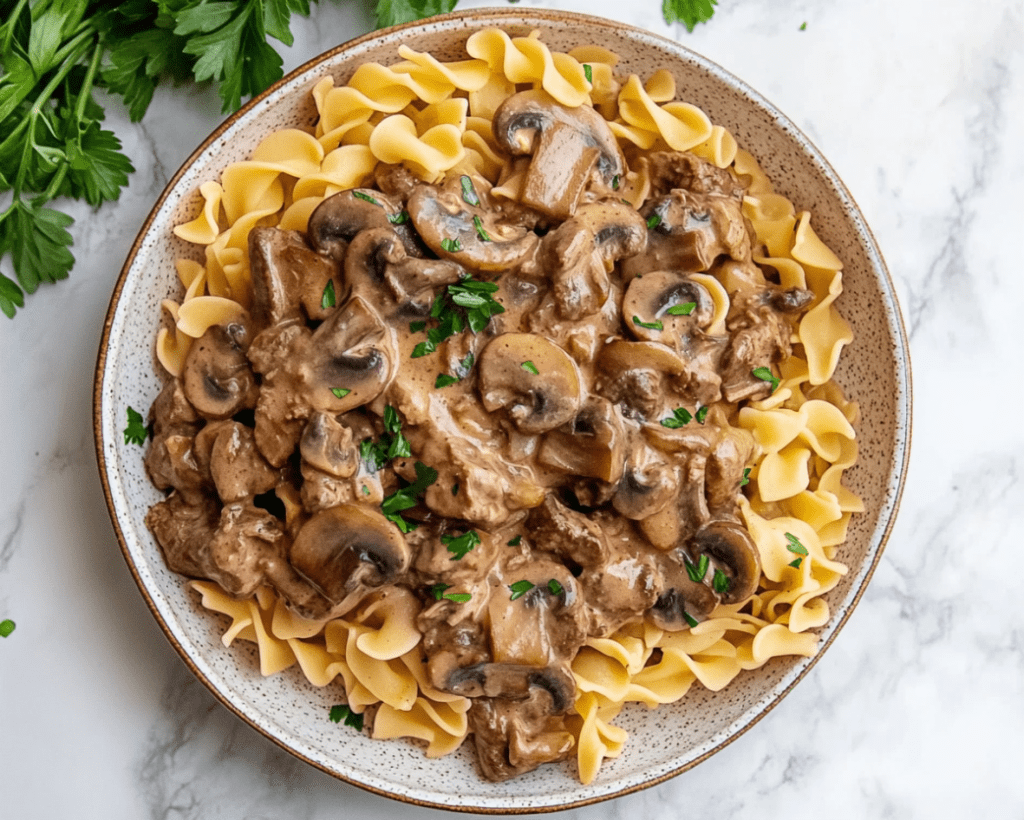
(917, 709)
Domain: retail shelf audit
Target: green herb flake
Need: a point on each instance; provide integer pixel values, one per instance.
(701, 414)
(515, 542)
(615, 186)
(417, 327)
(479, 225)
(699, 570)
(328, 299)
(795, 564)
(655, 325)
(451, 245)
(366, 490)
(468, 191)
(6, 627)
(588, 72)
(399, 219)
(803, 26)
(458, 597)
(682, 310)
(135, 432)
(688, 12)
(794, 545)
(746, 478)
(680, 416)
(444, 380)
(407, 497)
(519, 589)
(530, 367)
(720, 582)
(366, 198)
(340, 392)
(437, 590)
(766, 375)
(460, 545)
(690, 619)
(653, 221)
(340, 712)
(554, 587)
(455, 488)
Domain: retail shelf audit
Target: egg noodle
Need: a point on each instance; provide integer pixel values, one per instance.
(435, 118)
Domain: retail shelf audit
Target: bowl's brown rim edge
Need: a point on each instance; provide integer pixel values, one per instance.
(547, 15)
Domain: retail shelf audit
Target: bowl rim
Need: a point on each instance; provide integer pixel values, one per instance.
(542, 16)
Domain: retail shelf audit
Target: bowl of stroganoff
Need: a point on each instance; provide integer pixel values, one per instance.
(528, 404)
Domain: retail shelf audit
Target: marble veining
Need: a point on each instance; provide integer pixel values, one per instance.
(914, 712)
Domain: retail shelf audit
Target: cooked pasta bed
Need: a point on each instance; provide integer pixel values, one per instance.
(408, 144)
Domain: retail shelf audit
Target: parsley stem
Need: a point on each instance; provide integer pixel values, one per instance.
(12, 20)
(83, 95)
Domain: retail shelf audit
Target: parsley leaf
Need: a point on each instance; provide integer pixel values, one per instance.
(530, 367)
(366, 198)
(437, 590)
(340, 712)
(720, 582)
(519, 589)
(746, 477)
(340, 392)
(407, 497)
(682, 310)
(444, 380)
(794, 544)
(679, 417)
(699, 570)
(766, 375)
(135, 432)
(701, 414)
(451, 245)
(554, 587)
(655, 325)
(469, 192)
(515, 542)
(458, 597)
(399, 219)
(6, 627)
(688, 12)
(588, 72)
(460, 545)
(329, 297)
(653, 221)
(393, 12)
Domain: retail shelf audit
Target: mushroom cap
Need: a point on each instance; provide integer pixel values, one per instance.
(591, 444)
(329, 446)
(730, 544)
(347, 548)
(442, 216)
(216, 377)
(618, 230)
(514, 681)
(522, 117)
(354, 351)
(681, 596)
(648, 485)
(336, 221)
(649, 298)
(536, 402)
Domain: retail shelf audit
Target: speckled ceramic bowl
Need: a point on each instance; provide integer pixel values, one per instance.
(664, 742)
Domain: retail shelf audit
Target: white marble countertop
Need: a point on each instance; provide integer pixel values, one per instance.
(918, 707)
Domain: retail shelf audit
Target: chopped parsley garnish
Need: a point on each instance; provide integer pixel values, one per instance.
(437, 590)
(451, 245)
(407, 497)
(468, 303)
(135, 432)
(366, 490)
(458, 597)
(803, 26)
(6, 627)
(690, 619)
(701, 414)
(444, 380)
(519, 589)
(554, 587)
(479, 225)
(653, 221)
(615, 186)
(794, 545)
(469, 192)
(460, 545)
(698, 571)
(766, 375)
(455, 488)
(340, 392)
(392, 444)
(746, 478)
(682, 310)
(416, 327)
(366, 198)
(515, 542)
(679, 417)
(530, 367)
(399, 219)
(655, 325)
(720, 582)
(688, 12)
(795, 564)
(588, 72)
(340, 712)
(329, 297)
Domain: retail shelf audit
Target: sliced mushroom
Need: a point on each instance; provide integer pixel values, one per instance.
(533, 378)
(633, 374)
(466, 232)
(682, 600)
(329, 445)
(338, 219)
(730, 544)
(514, 681)
(592, 444)
(217, 379)
(649, 300)
(353, 357)
(377, 265)
(579, 254)
(288, 277)
(648, 484)
(566, 144)
(348, 550)
(690, 231)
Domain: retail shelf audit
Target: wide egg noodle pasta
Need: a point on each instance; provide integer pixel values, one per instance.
(435, 118)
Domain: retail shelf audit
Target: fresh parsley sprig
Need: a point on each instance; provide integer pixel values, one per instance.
(408, 497)
(341, 713)
(391, 444)
(460, 545)
(136, 431)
